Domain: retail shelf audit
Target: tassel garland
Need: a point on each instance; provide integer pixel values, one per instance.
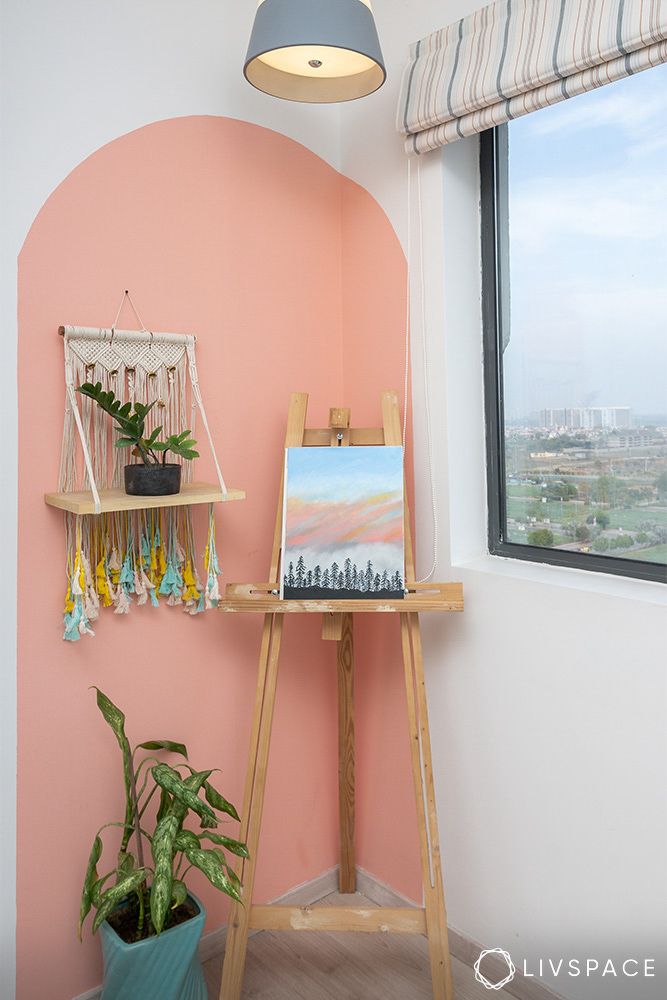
(139, 557)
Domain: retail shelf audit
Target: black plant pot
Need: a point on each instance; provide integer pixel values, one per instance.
(153, 480)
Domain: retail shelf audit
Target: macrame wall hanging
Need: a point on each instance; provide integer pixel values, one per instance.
(144, 554)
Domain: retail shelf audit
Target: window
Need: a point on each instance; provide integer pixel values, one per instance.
(574, 268)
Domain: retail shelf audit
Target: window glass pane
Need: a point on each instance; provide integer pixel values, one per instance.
(585, 369)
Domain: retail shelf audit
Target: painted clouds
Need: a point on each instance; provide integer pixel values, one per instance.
(343, 511)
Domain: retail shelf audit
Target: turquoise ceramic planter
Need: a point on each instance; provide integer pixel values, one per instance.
(165, 967)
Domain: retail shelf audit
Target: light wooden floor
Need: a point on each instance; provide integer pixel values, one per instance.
(312, 966)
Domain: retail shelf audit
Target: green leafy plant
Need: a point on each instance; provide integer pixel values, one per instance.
(151, 877)
(131, 422)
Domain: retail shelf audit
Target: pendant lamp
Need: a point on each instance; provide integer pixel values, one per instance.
(317, 51)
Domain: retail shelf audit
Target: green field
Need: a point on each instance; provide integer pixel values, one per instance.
(519, 500)
(657, 554)
(631, 519)
(552, 509)
(517, 490)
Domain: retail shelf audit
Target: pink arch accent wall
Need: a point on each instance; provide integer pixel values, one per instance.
(292, 278)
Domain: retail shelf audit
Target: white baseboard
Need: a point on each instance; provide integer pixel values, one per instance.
(213, 943)
(468, 951)
(379, 892)
(461, 947)
(94, 994)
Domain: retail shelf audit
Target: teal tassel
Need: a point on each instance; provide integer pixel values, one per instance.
(127, 576)
(170, 584)
(72, 620)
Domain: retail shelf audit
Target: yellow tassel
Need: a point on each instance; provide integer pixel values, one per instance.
(69, 603)
(101, 585)
(190, 592)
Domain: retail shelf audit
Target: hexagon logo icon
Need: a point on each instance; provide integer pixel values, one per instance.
(481, 978)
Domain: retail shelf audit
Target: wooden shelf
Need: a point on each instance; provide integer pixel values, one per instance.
(117, 499)
(258, 597)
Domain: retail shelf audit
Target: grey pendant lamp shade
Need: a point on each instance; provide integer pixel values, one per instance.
(317, 51)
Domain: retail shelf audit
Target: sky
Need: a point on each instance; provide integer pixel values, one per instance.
(345, 502)
(588, 251)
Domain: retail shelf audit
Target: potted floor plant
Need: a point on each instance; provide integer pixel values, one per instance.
(150, 924)
(151, 476)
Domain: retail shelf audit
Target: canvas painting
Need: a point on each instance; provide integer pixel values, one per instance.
(343, 524)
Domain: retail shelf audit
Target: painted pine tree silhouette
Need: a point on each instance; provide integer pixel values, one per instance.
(336, 581)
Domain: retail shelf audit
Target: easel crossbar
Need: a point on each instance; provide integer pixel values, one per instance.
(264, 598)
(320, 437)
(372, 920)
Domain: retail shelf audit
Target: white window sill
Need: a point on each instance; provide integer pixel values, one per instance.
(624, 587)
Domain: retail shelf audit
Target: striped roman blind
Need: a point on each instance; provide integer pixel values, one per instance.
(517, 56)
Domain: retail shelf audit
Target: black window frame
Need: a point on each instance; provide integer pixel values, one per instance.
(494, 208)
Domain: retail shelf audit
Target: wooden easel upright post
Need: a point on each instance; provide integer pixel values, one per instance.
(337, 625)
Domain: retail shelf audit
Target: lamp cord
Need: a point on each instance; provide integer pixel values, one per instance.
(406, 363)
(427, 393)
(425, 357)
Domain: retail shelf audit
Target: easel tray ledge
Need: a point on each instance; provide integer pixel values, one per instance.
(261, 598)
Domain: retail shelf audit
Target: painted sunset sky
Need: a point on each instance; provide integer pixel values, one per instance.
(344, 503)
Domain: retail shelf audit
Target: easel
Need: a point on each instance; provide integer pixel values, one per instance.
(337, 625)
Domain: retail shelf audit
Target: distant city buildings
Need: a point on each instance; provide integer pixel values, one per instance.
(636, 439)
(587, 418)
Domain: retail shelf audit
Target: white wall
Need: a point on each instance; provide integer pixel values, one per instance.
(547, 696)
(76, 75)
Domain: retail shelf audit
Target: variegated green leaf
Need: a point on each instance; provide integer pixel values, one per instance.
(126, 863)
(214, 869)
(165, 745)
(200, 776)
(112, 715)
(218, 801)
(179, 893)
(113, 896)
(165, 805)
(186, 839)
(170, 780)
(233, 877)
(116, 720)
(97, 888)
(89, 881)
(233, 846)
(163, 856)
(193, 784)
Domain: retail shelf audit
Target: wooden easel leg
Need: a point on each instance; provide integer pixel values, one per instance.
(237, 934)
(429, 842)
(347, 875)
